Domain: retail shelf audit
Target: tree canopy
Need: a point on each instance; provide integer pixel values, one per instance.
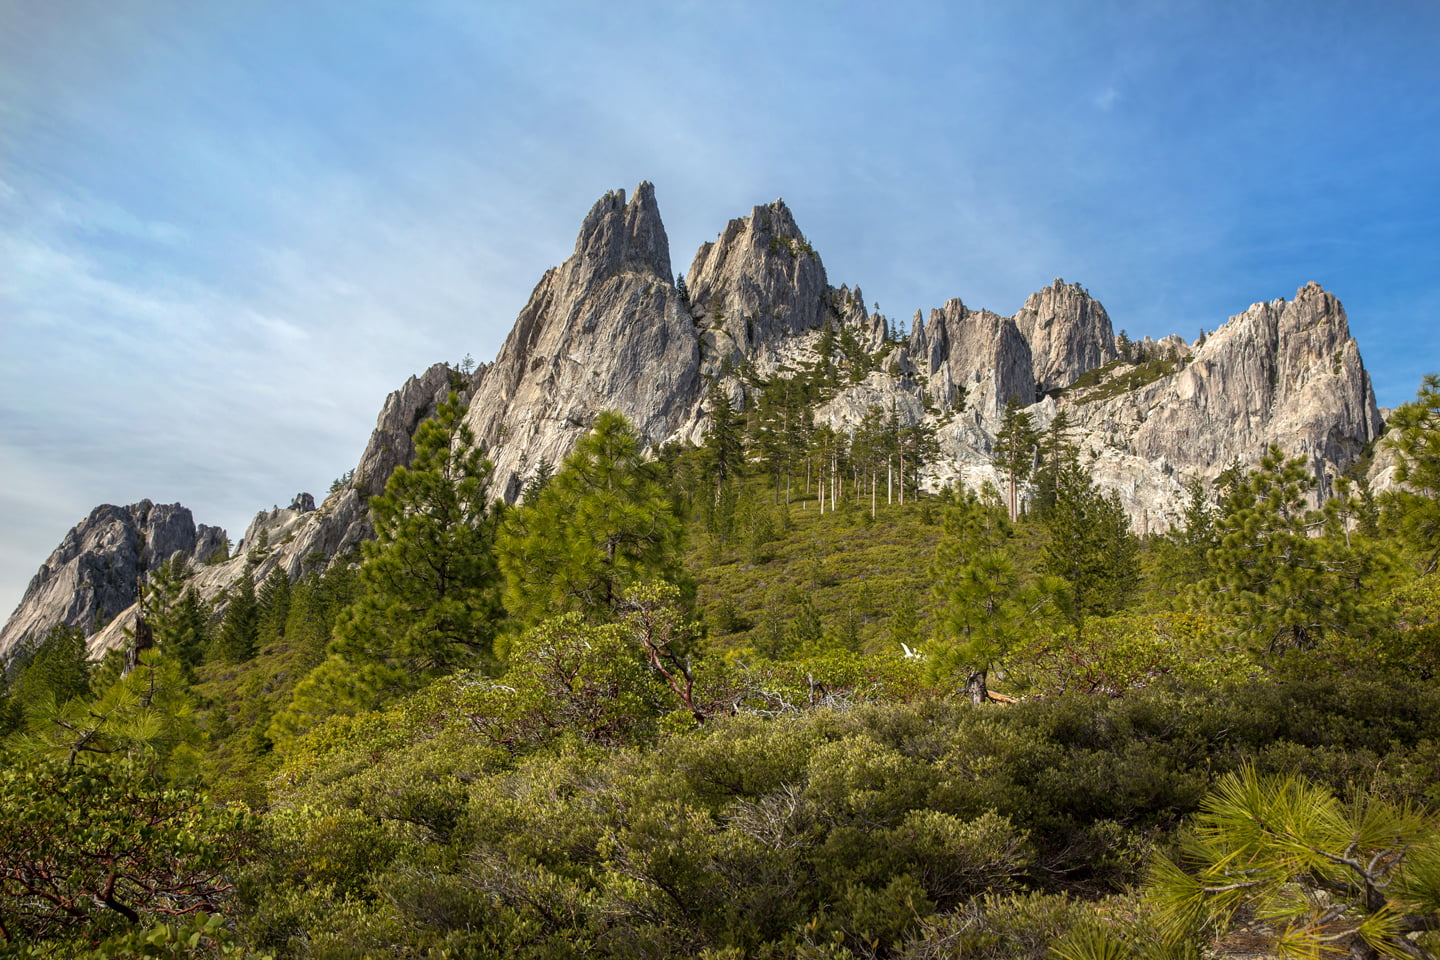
(602, 524)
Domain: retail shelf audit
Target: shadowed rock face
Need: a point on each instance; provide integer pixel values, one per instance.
(94, 572)
(604, 330)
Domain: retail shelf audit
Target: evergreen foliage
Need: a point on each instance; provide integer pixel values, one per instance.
(782, 778)
(723, 453)
(1013, 455)
(1089, 545)
(1053, 450)
(1291, 575)
(604, 523)
(273, 600)
(1414, 434)
(239, 632)
(178, 618)
(1285, 859)
(987, 605)
(53, 671)
(428, 589)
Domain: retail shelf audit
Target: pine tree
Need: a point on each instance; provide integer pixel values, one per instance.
(1089, 545)
(1014, 452)
(825, 350)
(1054, 449)
(603, 523)
(1288, 573)
(986, 606)
(179, 620)
(916, 447)
(428, 589)
(54, 669)
(1329, 878)
(1414, 434)
(240, 629)
(723, 453)
(1123, 345)
(274, 600)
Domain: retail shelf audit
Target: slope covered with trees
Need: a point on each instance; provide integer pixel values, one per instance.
(749, 699)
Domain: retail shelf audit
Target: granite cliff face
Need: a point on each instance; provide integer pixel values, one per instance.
(1068, 332)
(1285, 372)
(974, 359)
(759, 282)
(605, 329)
(93, 574)
(609, 329)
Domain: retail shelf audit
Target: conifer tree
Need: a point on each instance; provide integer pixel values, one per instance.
(1414, 434)
(1014, 452)
(723, 453)
(178, 618)
(1053, 450)
(603, 523)
(1089, 545)
(986, 604)
(240, 629)
(1329, 878)
(274, 600)
(428, 590)
(916, 447)
(1288, 573)
(53, 669)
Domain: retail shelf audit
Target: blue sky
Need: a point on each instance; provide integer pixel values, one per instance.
(228, 229)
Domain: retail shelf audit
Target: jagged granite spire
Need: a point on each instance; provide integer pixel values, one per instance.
(604, 330)
(759, 281)
(618, 236)
(1068, 331)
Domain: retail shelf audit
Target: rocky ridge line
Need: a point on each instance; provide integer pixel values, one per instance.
(608, 328)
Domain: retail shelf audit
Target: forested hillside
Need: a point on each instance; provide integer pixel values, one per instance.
(760, 698)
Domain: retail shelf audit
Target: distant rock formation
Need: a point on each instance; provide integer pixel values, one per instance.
(94, 572)
(610, 329)
(974, 358)
(759, 282)
(604, 330)
(1068, 332)
(1284, 372)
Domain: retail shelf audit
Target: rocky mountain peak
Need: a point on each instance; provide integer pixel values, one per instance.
(92, 575)
(604, 330)
(760, 280)
(1068, 331)
(623, 237)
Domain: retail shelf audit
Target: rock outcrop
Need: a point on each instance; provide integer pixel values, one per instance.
(1068, 332)
(760, 281)
(974, 359)
(609, 329)
(1285, 372)
(604, 330)
(94, 573)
